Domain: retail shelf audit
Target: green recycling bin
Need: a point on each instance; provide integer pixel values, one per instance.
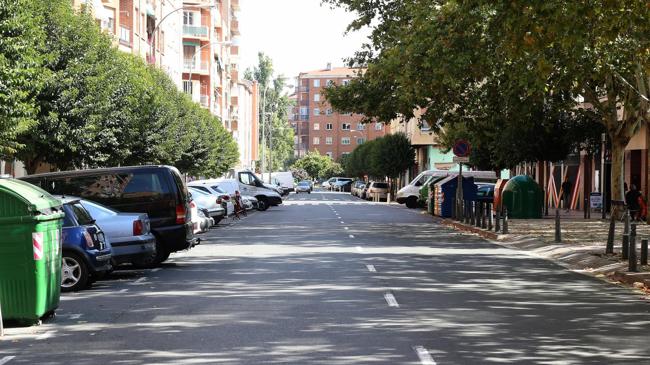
(523, 198)
(30, 251)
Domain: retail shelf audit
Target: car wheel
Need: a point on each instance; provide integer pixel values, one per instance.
(309, 192)
(412, 202)
(263, 204)
(74, 272)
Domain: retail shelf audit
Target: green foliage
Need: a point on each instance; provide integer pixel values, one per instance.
(388, 156)
(21, 69)
(318, 166)
(101, 107)
(276, 143)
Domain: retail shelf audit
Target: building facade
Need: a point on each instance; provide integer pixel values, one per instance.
(317, 127)
(245, 124)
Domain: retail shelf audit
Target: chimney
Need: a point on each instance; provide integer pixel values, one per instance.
(329, 66)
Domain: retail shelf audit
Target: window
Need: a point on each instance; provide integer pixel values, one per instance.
(111, 25)
(316, 126)
(316, 140)
(346, 126)
(187, 87)
(246, 178)
(316, 97)
(316, 111)
(125, 36)
(328, 111)
(328, 140)
(360, 140)
(304, 110)
(361, 126)
(345, 82)
(378, 126)
(188, 18)
(330, 82)
(345, 140)
(345, 153)
(329, 154)
(329, 126)
(316, 83)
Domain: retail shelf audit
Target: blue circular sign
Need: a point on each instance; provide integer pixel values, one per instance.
(462, 148)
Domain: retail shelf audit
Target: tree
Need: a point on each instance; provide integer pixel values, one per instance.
(393, 155)
(318, 166)
(430, 55)
(276, 143)
(21, 69)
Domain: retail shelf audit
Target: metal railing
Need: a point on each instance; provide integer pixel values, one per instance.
(196, 31)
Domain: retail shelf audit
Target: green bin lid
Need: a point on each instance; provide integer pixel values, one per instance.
(36, 199)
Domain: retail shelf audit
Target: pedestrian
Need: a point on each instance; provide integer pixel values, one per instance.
(643, 207)
(565, 193)
(632, 201)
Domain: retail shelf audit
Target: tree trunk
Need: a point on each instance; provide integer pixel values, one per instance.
(618, 174)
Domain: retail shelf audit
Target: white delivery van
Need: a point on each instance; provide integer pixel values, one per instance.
(284, 179)
(250, 184)
(410, 193)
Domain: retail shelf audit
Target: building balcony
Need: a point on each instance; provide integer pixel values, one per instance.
(199, 68)
(234, 4)
(302, 89)
(304, 116)
(234, 74)
(195, 31)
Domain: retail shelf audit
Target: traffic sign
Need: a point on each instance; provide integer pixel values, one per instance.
(462, 148)
(464, 159)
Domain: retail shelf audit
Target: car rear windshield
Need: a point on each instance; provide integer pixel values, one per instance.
(82, 215)
(380, 185)
(218, 189)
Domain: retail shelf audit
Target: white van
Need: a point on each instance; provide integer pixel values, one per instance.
(282, 178)
(250, 184)
(410, 193)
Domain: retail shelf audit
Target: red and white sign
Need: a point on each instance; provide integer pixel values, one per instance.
(37, 243)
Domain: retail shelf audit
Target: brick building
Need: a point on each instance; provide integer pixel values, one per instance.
(318, 127)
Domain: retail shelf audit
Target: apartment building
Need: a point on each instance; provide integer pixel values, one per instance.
(245, 123)
(318, 127)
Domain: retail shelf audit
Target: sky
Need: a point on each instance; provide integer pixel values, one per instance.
(298, 35)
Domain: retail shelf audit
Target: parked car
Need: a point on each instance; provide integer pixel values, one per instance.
(304, 187)
(357, 186)
(485, 192)
(284, 179)
(200, 223)
(129, 234)
(209, 202)
(86, 253)
(342, 185)
(377, 189)
(223, 197)
(158, 191)
(331, 183)
(363, 191)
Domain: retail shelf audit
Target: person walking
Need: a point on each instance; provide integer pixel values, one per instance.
(632, 201)
(565, 193)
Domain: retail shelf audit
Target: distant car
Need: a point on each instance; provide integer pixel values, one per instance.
(86, 251)
(485, 193)
(377, 189)
(209, 202)
(332, 183)
(304, 187)
(356, 187)
(342, 185)
(223, 197)
(129, 234)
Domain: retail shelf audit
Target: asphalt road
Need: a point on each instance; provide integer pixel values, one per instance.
(330, 279)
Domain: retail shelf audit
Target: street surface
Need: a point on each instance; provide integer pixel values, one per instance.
(330, 279)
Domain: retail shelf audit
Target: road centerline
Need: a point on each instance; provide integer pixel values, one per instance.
(424, 356)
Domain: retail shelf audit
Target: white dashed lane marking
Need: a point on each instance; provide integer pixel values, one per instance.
(141, 280)
(424, 355)
(371, 268)
(351, 236)
(390, 299)
(359, 248)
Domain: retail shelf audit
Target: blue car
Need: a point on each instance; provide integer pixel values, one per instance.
(86, 251)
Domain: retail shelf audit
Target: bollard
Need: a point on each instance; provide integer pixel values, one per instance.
(479, 213)
(471, 213)
(632, 253)
(505, 220)
(558, 230)
(585, 207)
(644, 252)
(489, 212)
(2, 328)
(609, 249)
(467, 212)
(625, 245)
(497, 221)
(484, 215)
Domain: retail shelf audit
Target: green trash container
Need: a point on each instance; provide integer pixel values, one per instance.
(523, 198)
(30, 251)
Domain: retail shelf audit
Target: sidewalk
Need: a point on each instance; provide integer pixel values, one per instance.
(582, 248)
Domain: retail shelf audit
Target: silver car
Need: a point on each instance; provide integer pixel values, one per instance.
(129, 233)
(209, 202)
(303, 187)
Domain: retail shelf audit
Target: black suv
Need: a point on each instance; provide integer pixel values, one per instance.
(158, 191)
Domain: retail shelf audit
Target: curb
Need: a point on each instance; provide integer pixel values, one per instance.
(639, 280)
(465, 228)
